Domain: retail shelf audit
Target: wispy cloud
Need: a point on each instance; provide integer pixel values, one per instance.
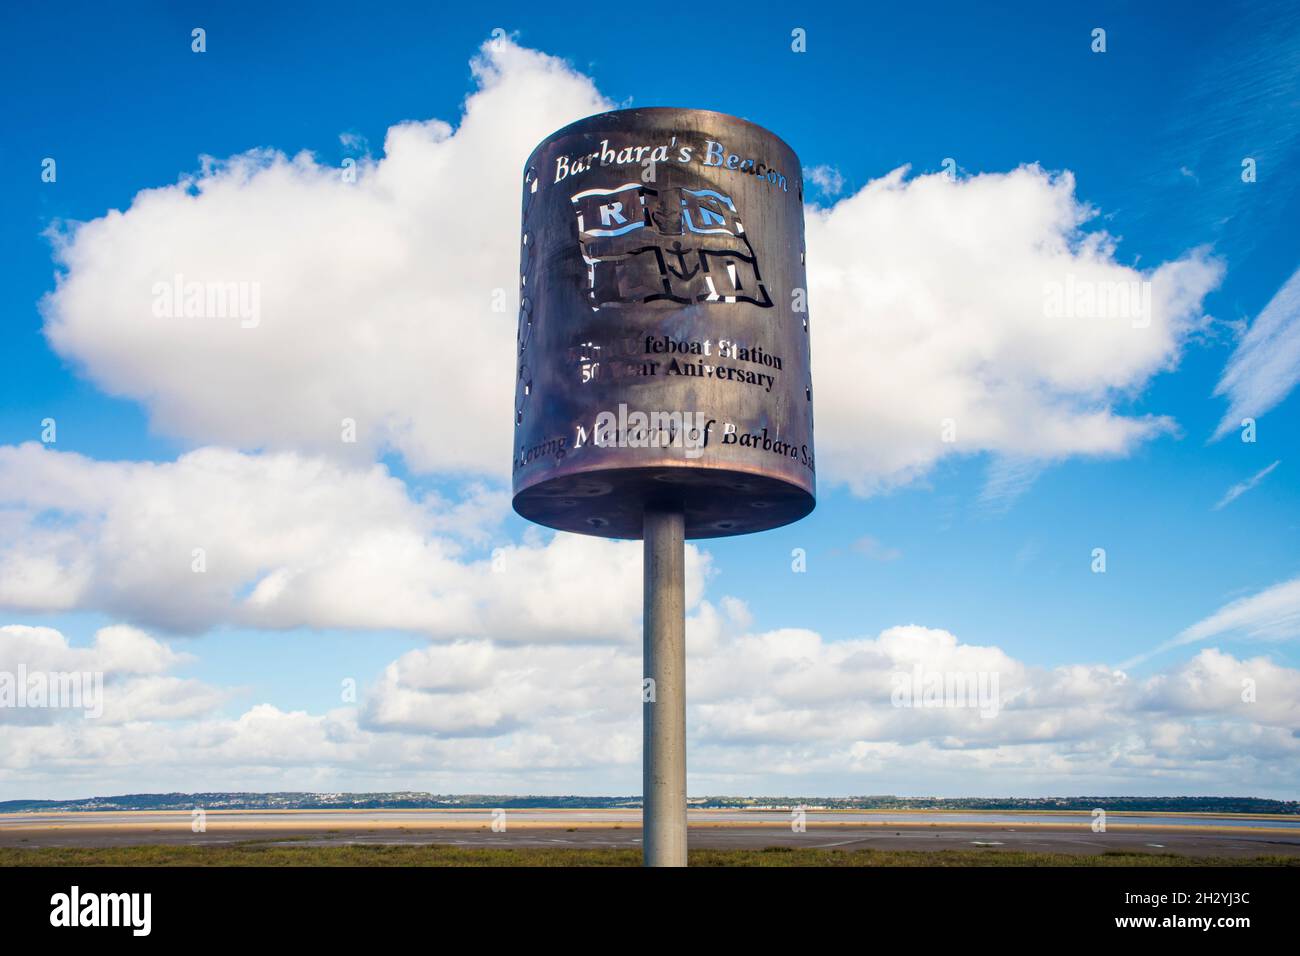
(1271, 615)
(1236, 102)
(875, 550)
(1241, 487)
(827, 179)
(1006, 480)
(1266, 364)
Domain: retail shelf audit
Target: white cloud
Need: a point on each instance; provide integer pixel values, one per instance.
(291, 541)
(125, 673)
(1265, 366)
(778, 711)
(1212, 683)
(119, 649)
(1241, 487)
(479, 689)
(376, 297)
(826, 178)
(1270, 615)
(927, 302)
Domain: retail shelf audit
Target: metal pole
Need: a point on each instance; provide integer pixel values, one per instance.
(663, 826)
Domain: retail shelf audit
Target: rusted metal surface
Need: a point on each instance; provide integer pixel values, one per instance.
(663, 330)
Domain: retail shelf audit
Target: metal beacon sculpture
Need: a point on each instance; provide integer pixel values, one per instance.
(664, 388)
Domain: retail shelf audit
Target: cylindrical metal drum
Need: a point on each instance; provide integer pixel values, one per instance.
(663, 328)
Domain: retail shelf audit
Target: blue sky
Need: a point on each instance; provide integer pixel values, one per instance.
(1154, 132)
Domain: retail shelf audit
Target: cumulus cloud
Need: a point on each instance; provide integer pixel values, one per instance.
(285, 540)
(375, 297)
(982, 303)
(928, 301)
(481, 689)
(126, 678)
(1265, 366)
(119, 649)
(1212, 684)
(768, 711)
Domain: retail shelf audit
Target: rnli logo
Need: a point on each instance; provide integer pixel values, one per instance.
(678, 245)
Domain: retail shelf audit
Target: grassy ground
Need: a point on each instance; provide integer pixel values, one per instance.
(259, 854)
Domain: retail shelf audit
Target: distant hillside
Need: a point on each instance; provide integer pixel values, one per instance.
(431, 801)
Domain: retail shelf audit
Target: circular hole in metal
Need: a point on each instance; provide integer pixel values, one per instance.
(724, 525)
(760, 504)
(808, 391)
(597, 522)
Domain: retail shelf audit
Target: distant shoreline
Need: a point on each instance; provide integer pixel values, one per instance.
(769, 809)
(1233, 807)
